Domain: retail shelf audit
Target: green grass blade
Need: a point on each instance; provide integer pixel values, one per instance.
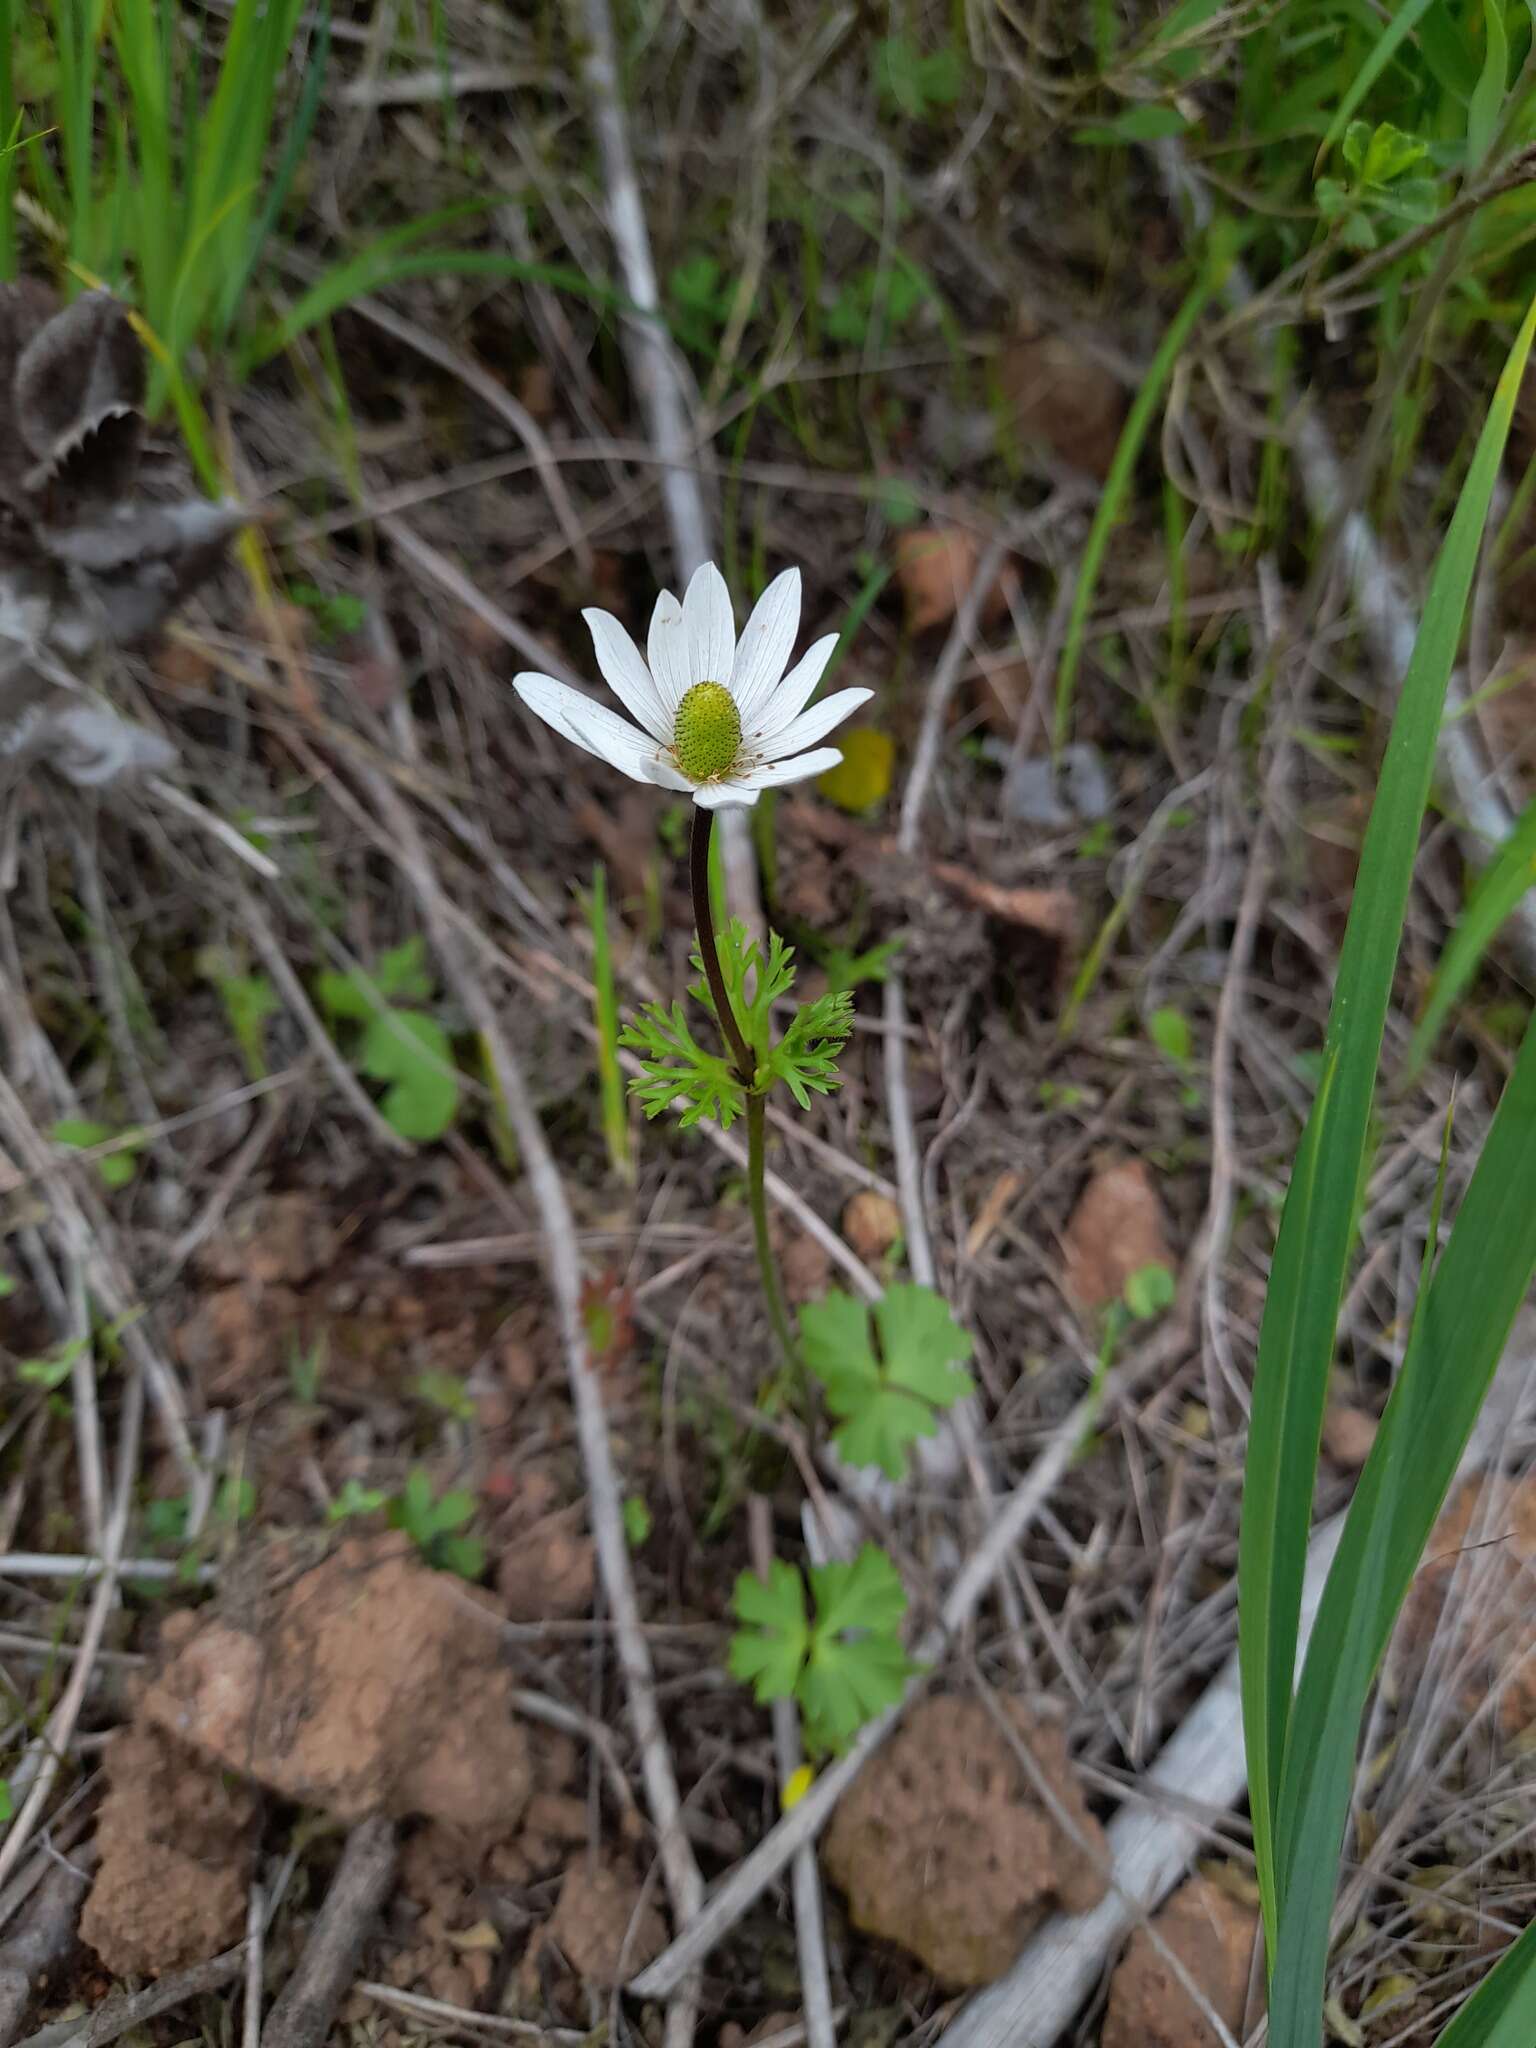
(9, 113)
(1459, 1332)
(374, 268)
(1117, 484)
(299, 132)
(1296, 1340)
(1501, 2013)
(141, 57)
(605, 1013)
(1499, 888)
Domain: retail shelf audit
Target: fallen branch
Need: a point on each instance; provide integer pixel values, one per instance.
(308, 2002)
(42, 1942)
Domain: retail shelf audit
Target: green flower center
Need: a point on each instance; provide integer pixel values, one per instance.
(707, 736)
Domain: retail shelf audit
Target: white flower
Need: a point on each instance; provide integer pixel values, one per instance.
(715, 716)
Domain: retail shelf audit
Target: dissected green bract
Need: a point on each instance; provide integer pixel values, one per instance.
(839, 1655)
(885, 1384)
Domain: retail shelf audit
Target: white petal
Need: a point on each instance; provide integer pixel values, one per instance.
(596, 730)
(793, 694)
(667, 646)
(627, 675)
(711, 627)
(723, 796)
(773, 774)
(814, 724)
(765, 643)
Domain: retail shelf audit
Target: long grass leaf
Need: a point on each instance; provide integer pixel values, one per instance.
(1499, 888)
(372, 269)
(1501, 2013)
(8, 140)
(1296, 1339)
(1458, 1336)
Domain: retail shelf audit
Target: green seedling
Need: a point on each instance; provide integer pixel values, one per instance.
(917, 84)
(637, 1521)
(355, 1500)
(404, 1049)
(306, 1369)
(117, 1167)
(838, 1654)
(888, 1377)
(437, 1527)
(446, 1392)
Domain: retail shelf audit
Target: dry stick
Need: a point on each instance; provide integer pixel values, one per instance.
(935, 1456)
(810, 1923)
(563, 1267)
(40, 1765)
(655, 373)
(120, 2016)
(255, 1957)
(291, 989)
(308, 2002)
(113, 1296)
(495, 395)
(43, 1941)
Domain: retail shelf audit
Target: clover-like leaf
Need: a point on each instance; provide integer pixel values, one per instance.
(885, 1383)
(856, 1666)
(769, 1650)
(413, 1052)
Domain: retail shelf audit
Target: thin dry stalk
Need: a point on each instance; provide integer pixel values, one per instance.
(656, 373)
(302, 2014)
(563, 1266)
(805, 1876)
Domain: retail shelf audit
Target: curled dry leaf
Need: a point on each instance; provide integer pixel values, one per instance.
(871, 1223)
(935, 567)
(1059, 398)
(1115, 1230)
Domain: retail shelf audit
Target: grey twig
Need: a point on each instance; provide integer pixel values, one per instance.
(810, 1920)
(304, 2009)
(119, 2016)
(42, 1941)
(656, 373)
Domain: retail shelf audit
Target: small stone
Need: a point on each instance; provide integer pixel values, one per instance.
(1348, 1434)
(1115, 1230)
(871, 1223)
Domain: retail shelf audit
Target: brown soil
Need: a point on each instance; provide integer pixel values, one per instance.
(604, 1928)
(943, 1846)
(373, 1685)
(1212, 1935)
(176, 1841)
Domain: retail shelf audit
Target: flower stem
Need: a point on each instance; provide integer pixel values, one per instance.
(746, 1068)
(704, 923)
(757, 1201)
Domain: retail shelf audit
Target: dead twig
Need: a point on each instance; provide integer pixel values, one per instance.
(810, 1921)
(43, 1940)
(118, 2016)
(302, 2014)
